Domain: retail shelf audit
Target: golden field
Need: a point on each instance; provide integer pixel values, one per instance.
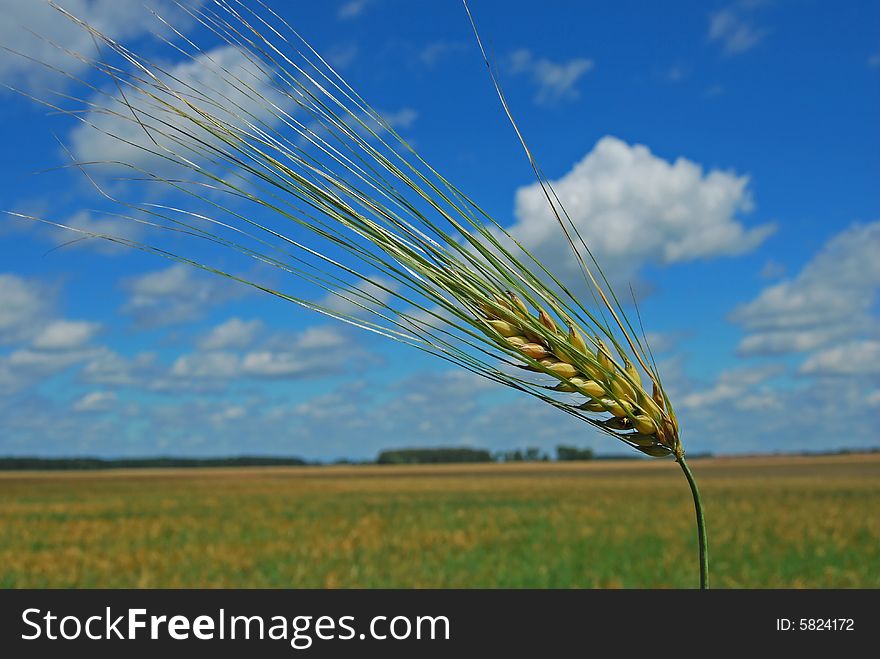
(773, 522)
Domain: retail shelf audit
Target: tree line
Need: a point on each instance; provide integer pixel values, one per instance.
(434, 455)
(31, 463)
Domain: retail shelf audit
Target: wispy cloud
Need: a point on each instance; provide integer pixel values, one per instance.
(175, 295)
(23, 20)
(233, 333)
(734, 32)
(676, 74)
(25, 305)
(435, 51)
(849, 359)
(341, 56)
(401, 119)
(830, 300)
(314, 352)
(239, 87)
(555, 81)
(352, 9)
(95, 401)
(65, 335)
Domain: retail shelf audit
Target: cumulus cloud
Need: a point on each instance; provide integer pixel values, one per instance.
(634, 208)
(854, 358)
(233, 333)
(358, 300)
(555, 81)
(318, 351)
(25, 306)
(735, 33)
(65, 335)
(314, 352)
(776, 414)
(176, 294)
(739, 387)
(26, 367)
(109, 368)
(120, 136)
(85, 223)
(832, 298)
(215, 365)
(119, 19)
(44, 344)
(95, 401)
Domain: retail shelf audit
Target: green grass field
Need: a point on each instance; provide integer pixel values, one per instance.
(773, 522)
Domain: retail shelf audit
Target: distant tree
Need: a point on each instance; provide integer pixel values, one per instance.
(433, 455)
(567, 453)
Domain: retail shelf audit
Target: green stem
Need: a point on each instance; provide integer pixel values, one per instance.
(701, 525)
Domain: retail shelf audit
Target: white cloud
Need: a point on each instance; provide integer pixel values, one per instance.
(401, 119)
(109, 368)
(25, 306)
(84, 221)
(850, 359)
(214, 365)
(317, 351)
(26, 367)
(830, 299)
(119, 136)
(735, 33)
(233, 333)
(556, 81)
(341, 56)
(314, 352)
(268, 364)
(176, 294)
(316, 338)
(119, 19)
(432, 53)
(46, 363)
(633, 208)
(736, 387)
(45, 344)
(95, 401)
(359, 299)
(227, 414)
(65, 335)
(778, 414)
(352, 9)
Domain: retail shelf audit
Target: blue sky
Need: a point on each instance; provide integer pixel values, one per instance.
(730, 151)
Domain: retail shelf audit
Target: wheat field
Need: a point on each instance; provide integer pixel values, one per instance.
(774, 522)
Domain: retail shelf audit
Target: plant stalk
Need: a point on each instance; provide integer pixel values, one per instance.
(701, 524)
